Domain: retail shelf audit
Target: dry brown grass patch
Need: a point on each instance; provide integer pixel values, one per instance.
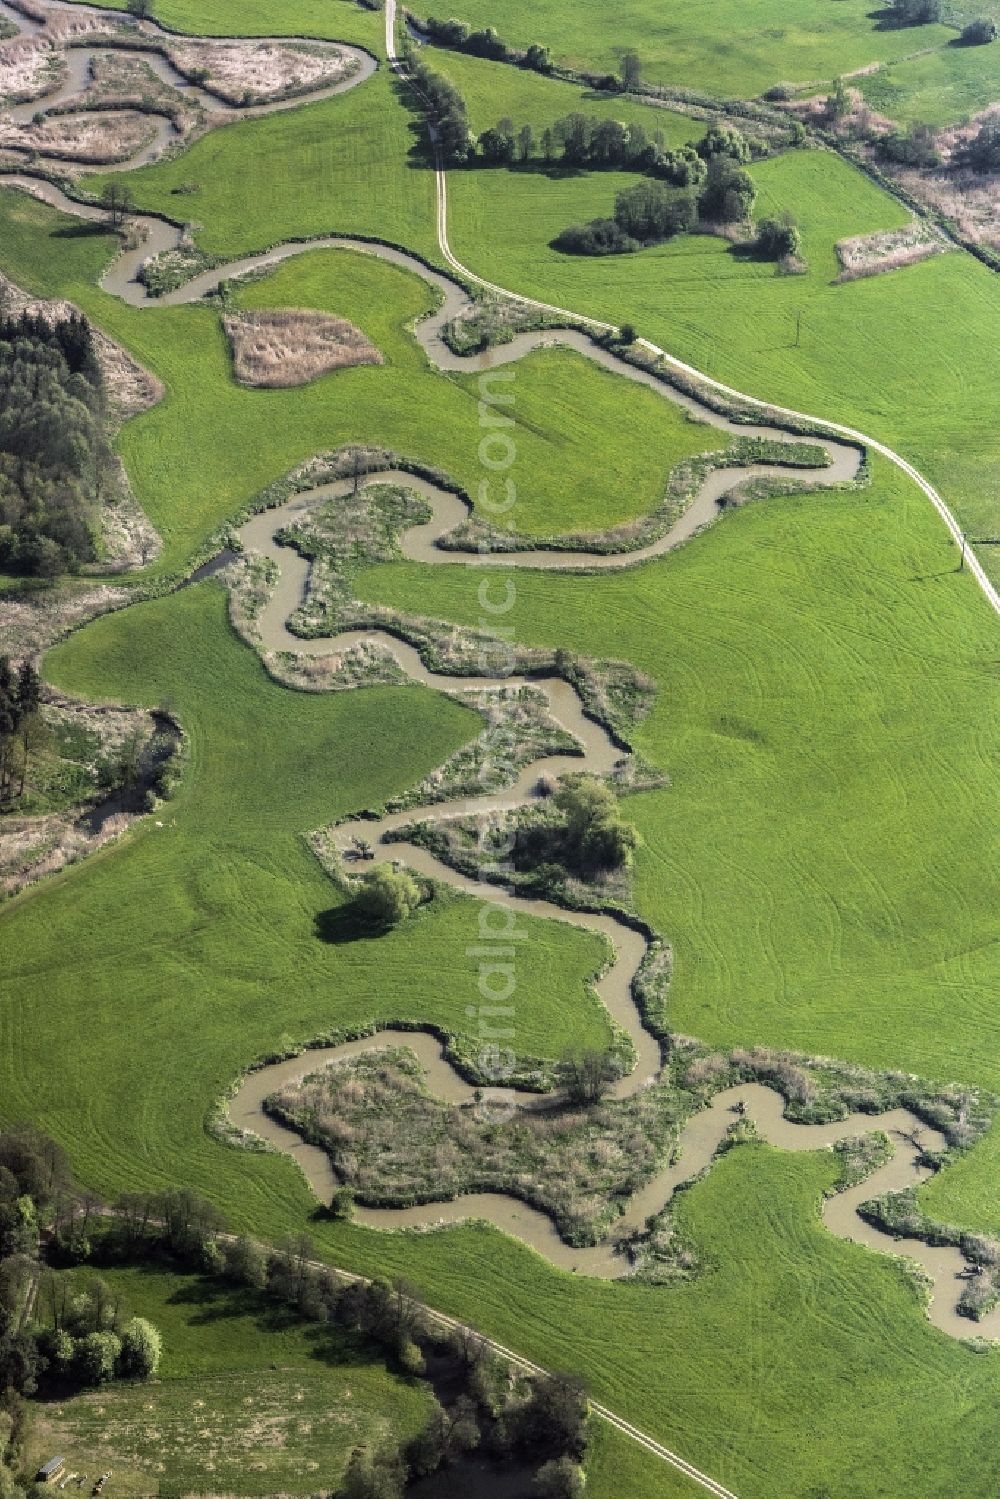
(286, 346)
(870, 254)
(29, 68)
(94, 139)
(252, 72)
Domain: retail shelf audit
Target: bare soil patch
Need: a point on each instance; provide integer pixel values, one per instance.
(251, 72)
(286, 346)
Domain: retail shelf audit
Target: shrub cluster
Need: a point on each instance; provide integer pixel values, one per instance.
(707, 181)
(982, 153)
(913, 147)
(980, 33)
(777, 239)
(915, 12)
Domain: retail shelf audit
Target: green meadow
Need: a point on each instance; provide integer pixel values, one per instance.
(567, 410)
(349, 165)
(851, 351)
(826, 710)
(220, 957)
(821, 857)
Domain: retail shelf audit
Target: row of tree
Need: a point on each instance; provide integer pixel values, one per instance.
(448, 116)
(54, 453)
(580, 141)
(89, 1338)
(461, 37)
(20, 695)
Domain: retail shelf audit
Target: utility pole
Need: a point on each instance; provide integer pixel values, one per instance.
(961, 561)
(798, 328)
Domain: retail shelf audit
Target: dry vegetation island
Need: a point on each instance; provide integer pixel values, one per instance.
(292, 346)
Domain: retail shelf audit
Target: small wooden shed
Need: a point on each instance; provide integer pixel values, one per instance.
(51, 1470)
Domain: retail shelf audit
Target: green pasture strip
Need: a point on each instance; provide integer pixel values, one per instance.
(336, 20)
(936, 88)
(492, 90)
(732, 49)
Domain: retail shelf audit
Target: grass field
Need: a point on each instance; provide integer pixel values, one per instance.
(817, 928)
(937, 88)
(345, 169)
(247, 1399)
(567, 409)
(225, 957)
(821, 860)
(732, 50)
